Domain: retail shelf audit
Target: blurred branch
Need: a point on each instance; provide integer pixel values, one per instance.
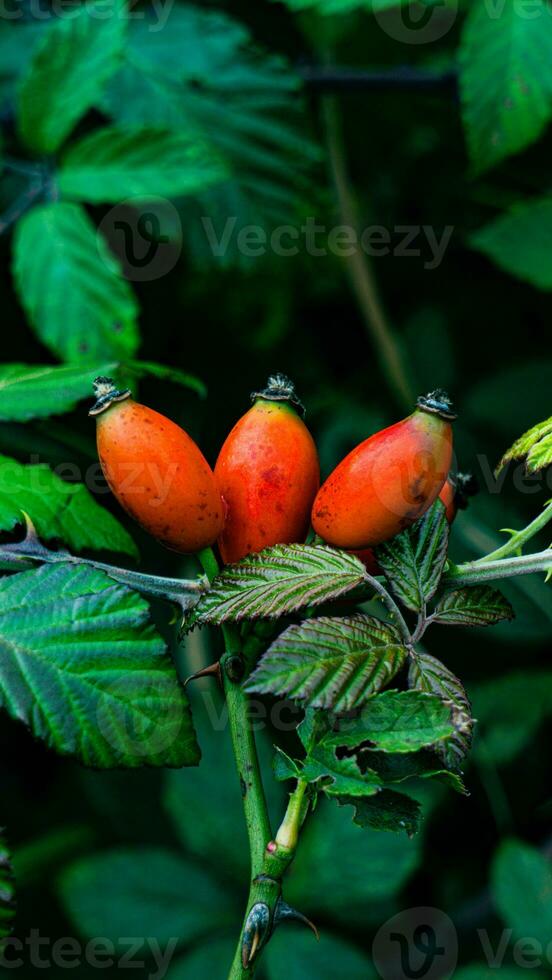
(359, 267)
(402, 78)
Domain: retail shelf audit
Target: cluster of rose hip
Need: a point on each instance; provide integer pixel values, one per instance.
(265, 488)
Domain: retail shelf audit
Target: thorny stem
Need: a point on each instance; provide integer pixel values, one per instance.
(359, 268)
(519, 538)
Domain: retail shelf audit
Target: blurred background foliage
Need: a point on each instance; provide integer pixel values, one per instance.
(228, 116)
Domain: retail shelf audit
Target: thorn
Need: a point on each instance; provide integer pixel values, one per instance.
(285, 912)
(213, 670)
(256, 932)
(31, 543)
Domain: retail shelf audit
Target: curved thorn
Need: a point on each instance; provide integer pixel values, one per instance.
(213, 670)
(256, 931)
(285, 912)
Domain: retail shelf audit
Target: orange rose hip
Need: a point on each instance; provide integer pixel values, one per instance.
(268, 474)
(389, 480)
(156, 471)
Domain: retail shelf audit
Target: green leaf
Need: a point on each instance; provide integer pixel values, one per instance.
(413, 562)
(395, 721)
(388, 810)
(338, 776)
(535, 446)
(416, 765)
(145, 891)
(65, 511)
(482, 971)
(32, 391)
(84, 669)
(7, 890)
(71, 287)
(341, 888)
(509, 711)
(204, 73)
(174, 375)
(208, 959)
(278, 581)
(519, 242)
(304, 957)
(478, 605)
(68, 71)
(430, 675)
(506, 79)
(329, 662)
(18, 40)
(112, 164)
(521, 884)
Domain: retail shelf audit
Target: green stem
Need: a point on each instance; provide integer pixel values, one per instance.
(290, 828)
(483, 570)
(517, 540)
(233, 671)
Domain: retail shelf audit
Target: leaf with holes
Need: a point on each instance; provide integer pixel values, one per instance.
(416, 765)
(505, 79)
(330, 663)
(65, 511)
(519, 241)
(430, 675)
(395, 721)
(388, 810)
(337, 776)
(413, 562)
(83, 667)
(535, 446)
(278, 581)
(204, 74)
(71, 287)
(68, 72)
(478, 605)
(7, 890)
(112, 164)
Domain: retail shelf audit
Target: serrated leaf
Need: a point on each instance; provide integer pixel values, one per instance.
(85, 670)
(68, 71)
(204, 72)
(413, 562)
(535, 445)
(416, 765)
(506, 79)
(521, 883)
(284, 767)
(70, 286)
(65, 511)
(477, 605)
(429, 674)
(278, 581)
(388, 810)
(7, 890)
(128, 892)
(519, 242)
(112, 164)
(338, 776)
(33, 391)
(330, 663)
(395, 721)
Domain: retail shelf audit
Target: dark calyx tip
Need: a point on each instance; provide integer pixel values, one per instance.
(437, 403)
(106, 393)
(280, 389)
